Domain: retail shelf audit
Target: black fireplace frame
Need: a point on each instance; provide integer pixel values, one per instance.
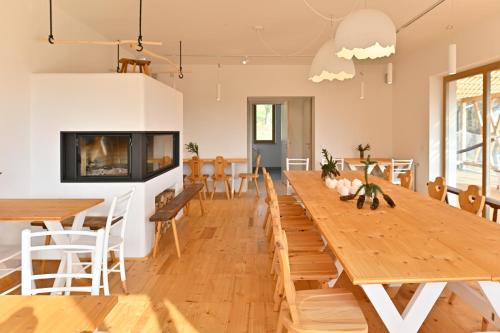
(137, 157)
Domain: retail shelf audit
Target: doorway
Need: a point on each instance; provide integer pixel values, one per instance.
(279, 127)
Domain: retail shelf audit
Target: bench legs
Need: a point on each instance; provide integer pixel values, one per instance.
(176, 239)
(157, 238)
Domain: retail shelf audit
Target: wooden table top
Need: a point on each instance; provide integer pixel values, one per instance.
(358, 161)
(237, 160)
(43, 209)
(421, 240)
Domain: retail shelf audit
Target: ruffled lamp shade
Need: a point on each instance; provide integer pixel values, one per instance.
(327, 66)
(366, 33)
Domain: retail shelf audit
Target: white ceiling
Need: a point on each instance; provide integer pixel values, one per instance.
(225, 27)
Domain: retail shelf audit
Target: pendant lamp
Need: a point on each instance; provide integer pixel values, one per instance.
(327, 66)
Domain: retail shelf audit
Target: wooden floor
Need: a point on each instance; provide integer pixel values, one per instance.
(222, 283)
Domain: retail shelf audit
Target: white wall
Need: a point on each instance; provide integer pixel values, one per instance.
(341, 119)
(417, 93)
(101, 102)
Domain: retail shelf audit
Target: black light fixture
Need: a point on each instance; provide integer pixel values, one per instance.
(140, 47)
(51, 36)
(181, 74)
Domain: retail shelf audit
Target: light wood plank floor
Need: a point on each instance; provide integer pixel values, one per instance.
(222, 283)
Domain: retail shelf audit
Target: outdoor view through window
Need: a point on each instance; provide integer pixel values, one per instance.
(264, 123)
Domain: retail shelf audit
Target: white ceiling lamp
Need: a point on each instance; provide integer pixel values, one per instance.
(366, 33)
(388, 75)
(452, 59)
(327, 66)
(245, 61)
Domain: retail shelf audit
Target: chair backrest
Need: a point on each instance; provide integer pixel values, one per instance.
(290, 292)
(195, 166)
(472, 200)
(118, 215)
(400, 167)
(257, 164)
(406, 179)
(299, 162)
(387, 174)
(83, 242)
(437, 189)
(339, 160)
(219, 166)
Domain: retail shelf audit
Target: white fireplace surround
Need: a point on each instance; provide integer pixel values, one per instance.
(100, 102)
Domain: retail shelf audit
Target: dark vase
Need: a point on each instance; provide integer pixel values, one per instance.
(361, 154)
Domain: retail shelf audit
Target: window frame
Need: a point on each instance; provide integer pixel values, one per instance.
(485, 70)
(254, 120)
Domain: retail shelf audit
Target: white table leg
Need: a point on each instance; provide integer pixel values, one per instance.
(415, 312)
(60, 239)
(476, 300)
(491, 290)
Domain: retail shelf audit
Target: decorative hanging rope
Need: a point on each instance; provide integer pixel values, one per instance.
(140, 47)
(51, 36)
(181, 74)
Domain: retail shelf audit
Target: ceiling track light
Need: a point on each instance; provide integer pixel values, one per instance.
(388, 75)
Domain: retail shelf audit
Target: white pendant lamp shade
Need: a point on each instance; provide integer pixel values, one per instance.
(366, 33)
(327, 66)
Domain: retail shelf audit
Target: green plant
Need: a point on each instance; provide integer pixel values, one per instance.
(329, 169)
(364, 148)
(192, 148)
(370, 190)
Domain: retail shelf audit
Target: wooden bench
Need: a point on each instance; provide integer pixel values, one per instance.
(170, 211)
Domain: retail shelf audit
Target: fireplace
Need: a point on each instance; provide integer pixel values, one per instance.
(117, 156)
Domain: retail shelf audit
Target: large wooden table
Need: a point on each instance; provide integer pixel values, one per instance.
(420, 241)
(230, 162)
(78, 313)
(51, 212)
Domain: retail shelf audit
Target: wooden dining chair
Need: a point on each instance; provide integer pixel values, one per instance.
(317, 310)
(397, 168)
(472, 200)
(197, 175)
(387, 174)
(221, 176)
(406, 179)
(438, 189)
(253, 175)
(83, 242)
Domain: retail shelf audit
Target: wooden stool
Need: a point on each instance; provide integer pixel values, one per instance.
(143, 65)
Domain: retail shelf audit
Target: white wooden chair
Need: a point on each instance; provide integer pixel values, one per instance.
(399, 167)
(339, 160)
(295, 163)
(10, 262)
(82, 242)
(114, 239)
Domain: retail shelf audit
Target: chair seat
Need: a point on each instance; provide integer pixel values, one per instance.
(305, 241)
(294, 223)
(312, 266)
(248, 175)
(292, 211)
(221, 177)
(326, 310)
(197, 179)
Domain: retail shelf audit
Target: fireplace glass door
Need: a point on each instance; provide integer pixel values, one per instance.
(104, 155)
(160, 152)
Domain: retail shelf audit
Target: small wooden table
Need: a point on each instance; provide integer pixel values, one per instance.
(170, 211)
(230, 161)
(421, 241)
(51, 212)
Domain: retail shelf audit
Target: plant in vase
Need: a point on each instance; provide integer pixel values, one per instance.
(370, 191)
(329, 168)
(192, 148)
(362, 149)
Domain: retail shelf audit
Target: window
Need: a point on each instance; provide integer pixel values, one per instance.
(264, 123)
(471, 129)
